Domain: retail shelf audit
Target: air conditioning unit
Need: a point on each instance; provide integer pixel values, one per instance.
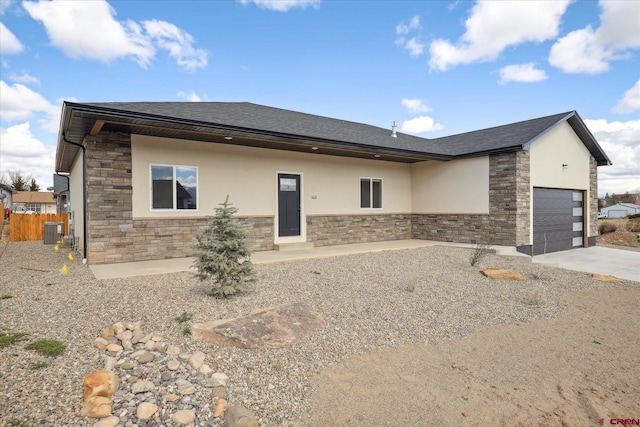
(52, 232)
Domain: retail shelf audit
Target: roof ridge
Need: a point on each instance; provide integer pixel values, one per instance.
(560, 115)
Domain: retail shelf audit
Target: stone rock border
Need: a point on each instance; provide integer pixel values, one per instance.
(147, 381)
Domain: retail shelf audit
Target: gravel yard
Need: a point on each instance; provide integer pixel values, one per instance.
(369, 302)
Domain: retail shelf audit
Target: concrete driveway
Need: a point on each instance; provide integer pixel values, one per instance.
(596, 259)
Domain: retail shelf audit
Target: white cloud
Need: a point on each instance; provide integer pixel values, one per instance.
(630, 101)
(282, 5)
(522, 73)
(190, 96)
(18, 102)
(415, 47)
(495, 25)
(621, 142)
(22, 151)
(9, 45)
(24, 78)
(414, 24)
(178, 43)
(413, 44)
(4, 5)
(590, 51)
(89, 30)
(415, 106)
(453, 6)
(420, 124)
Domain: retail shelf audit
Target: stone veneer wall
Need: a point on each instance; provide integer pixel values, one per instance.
(593, 200)
(114, 236)
(508, 221)
(326, 230)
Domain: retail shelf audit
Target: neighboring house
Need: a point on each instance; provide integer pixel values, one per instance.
(621, 210)
(298, 177)
(61, 192)
(6, 199)
(34, 201)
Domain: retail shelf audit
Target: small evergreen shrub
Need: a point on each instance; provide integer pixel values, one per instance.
(223, 258)
(606, 227)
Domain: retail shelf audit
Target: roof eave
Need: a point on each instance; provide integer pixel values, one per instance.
(575, 121)
(504, 150)
(74, 111)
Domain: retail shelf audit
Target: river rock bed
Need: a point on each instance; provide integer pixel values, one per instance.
(369, 302)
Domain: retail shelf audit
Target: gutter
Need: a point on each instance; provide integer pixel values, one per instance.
(85, 220)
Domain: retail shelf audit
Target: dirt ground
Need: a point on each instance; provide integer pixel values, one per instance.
(569, 371)
(627, 233)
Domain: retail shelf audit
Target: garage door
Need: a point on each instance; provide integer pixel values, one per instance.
(616, 214)
(558, 220)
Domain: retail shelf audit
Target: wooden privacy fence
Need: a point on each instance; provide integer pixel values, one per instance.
(29, 227)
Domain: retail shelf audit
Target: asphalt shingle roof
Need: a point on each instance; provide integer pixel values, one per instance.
(250, 116)
(277, 122)
(33, 197)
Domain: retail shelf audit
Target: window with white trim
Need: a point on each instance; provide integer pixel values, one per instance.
(174, 187)
(370, 193)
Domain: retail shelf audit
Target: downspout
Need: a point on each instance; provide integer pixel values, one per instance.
(85, 220)
(64, 176)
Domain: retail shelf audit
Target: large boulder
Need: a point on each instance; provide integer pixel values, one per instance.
(502, 274)
(96, 407)
(239, 416)
(100, 383)
(272, 327)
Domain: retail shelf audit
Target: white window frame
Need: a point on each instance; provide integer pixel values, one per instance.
(173, 188)
(371, 181)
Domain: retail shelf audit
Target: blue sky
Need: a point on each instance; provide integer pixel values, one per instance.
(435, 67)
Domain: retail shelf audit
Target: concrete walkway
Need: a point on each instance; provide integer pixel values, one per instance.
(596, 259)
(615, 262)
(145, 268)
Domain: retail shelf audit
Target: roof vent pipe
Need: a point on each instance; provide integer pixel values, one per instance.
(394, 125)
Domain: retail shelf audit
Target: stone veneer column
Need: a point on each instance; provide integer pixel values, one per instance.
(109, 214)
(523, 197)
(593, 201)
(503, 199)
